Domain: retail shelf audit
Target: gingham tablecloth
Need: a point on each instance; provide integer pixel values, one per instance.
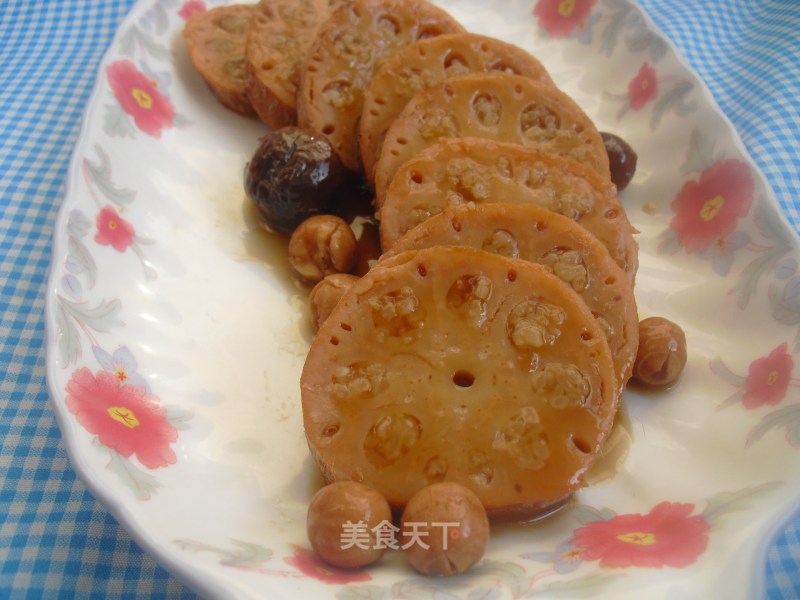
(55, 539)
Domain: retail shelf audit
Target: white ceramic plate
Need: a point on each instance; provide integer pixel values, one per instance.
(176, 336)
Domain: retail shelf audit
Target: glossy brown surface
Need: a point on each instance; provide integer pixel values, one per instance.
(459, 171)
(294, 174)
(662, 353)
(348, 49)
(215, 40)
(424, 63)
(498, 106)
(621, 159)
(444, 529)
(324, 296)
(278, 39)
(455, 364)
(320, 246)
(538, 235)
(329, 513)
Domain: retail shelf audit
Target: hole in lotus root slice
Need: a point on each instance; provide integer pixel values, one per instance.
(581, 445)
(568, 265)
(524, 439)
(468, 297)
(561, 385)
(338, 94)
(480, 468)
(463, 379)
(487, 109)
(502, 67)
(436, 469)
(390, 438)
(537, 118)
(436, 123)
(388, 26)
(533, 324)
(502, 242)
(455, 64)
(429, 32)
(397, 314)
(357, 381)
(330, 430)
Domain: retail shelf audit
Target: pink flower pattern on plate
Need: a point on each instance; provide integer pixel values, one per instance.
(308, 563)
(708, 209)
(643, 87)
(190, 7)
(667, 536)
(140, 98)
(561, 17)
(113, 230)
(125, 417)
(768, 378)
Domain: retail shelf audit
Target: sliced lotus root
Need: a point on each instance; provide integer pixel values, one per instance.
(278, 40)
(478, 170)
(348, 49)
(456, 364)
(536, 234)
(430, 61)
(216, 40)
(498, 106)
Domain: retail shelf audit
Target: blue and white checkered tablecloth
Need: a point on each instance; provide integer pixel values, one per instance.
(56, 540)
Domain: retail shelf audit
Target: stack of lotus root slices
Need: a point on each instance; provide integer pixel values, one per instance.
(491, 342)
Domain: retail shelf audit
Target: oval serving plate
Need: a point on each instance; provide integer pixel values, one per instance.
(176, 335)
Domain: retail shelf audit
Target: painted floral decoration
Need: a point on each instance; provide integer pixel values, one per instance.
(768, 378)
(190, 7)
(307, 562)
(139, 96)
(126, 418)
(708, 209)
(666, 536)
(113, 230)
(766, 383)
(561, 17)
(122, 364)
(670, 535)
(643, 87)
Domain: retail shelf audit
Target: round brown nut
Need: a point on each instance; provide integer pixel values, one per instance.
(324, 296)
(444, 529)
(342, 522)
(662, 353)
(320, 246)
